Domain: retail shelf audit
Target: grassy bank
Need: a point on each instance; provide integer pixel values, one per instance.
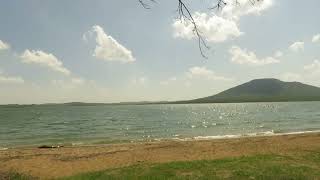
(302, 166)
(276, 157)
(305, 166)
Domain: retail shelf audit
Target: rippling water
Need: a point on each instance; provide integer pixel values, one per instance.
(66, 124)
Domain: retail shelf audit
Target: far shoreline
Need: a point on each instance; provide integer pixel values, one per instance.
(182, 102)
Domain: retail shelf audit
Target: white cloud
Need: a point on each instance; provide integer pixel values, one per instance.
(310, 74)
(78, 81)
(168, 81)
(108, 48)
(297, 46)
(203, 72)
(316, 38)
(4, 45)
(44, 59)
(223, 26)
(315, 66)
(10, 80)
(245, 7)
(213, 28)
(278, 54)
(240, 56)
(291, 77)
(139, 80)
(69, 83)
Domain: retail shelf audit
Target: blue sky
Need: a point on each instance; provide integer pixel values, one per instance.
(112, 51)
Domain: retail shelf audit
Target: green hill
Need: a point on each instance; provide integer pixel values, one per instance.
(264, 90)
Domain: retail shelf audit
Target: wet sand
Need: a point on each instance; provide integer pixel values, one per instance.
(66, 161)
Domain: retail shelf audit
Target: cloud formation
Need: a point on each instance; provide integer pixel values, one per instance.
(213, 28)
(290, 77)
(244, 7)
(223, 26)
(78, 81)
(109, 49)
(168, 81)
(245, 57)
(203, 72)
(310, 74)
(69, 83)
(278, 54)
(316, 38)
(4, 45)
(139, 80)
(10, 79)
(44, 59)
(297, 46)
(315, 66)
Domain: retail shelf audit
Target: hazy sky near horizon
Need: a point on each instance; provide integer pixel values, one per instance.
(112, 51)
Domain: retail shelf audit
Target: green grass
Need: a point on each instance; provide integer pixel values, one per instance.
(251, 167)
(300, 166)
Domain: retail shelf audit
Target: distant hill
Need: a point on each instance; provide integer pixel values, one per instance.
(120, 103)
(258, 90)
(264, 90)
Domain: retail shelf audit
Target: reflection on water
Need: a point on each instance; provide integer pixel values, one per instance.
(66, 124)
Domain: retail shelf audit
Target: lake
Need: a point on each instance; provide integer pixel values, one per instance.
(81, 125)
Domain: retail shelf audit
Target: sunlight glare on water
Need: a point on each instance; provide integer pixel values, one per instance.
(78, 125)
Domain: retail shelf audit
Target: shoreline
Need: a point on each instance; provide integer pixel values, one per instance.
(160, 140)
(67, 161)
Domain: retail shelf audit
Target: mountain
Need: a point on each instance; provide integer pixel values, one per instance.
(258, 90)
(264, 90)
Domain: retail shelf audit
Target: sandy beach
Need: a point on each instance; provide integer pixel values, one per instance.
(67, 161)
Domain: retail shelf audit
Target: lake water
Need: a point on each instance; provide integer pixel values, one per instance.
(78, 125)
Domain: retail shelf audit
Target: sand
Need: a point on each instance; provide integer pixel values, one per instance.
(66, 161)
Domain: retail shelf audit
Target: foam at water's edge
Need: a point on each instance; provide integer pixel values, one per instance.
(176, 138)
(298, 132)
(259, 134)
(77, 143)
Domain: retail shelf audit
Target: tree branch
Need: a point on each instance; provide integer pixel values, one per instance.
(145, 5)
(185, 15)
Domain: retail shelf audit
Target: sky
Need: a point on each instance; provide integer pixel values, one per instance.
(117, 51)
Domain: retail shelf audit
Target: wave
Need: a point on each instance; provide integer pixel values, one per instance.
(258, 134)
(77, 143)
(178, 137)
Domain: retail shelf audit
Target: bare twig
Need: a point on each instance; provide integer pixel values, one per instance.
(219, 5)
(146, 5)
(185, 15)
